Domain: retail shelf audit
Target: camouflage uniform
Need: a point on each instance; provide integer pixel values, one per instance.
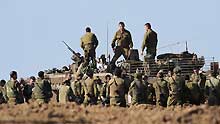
(150, 41)
(162, 91)
(89, 43)
(176, 87)
(101, 90)
(78, 91)
(28, 92)
(193, 94)
(150, 93)
(137, 91)
(3, 98)
(12, 91)
(201, 84)
(90, 90)
(124, 43)
(116, 92)
(65, 94)
(42, 91)
(195, 78)
(212, 88)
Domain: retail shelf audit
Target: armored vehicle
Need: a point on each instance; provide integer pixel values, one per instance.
(166, 62)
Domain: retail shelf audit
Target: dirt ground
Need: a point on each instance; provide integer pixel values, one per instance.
(72, 113)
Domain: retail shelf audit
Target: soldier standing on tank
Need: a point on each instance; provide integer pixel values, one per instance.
(176, 85)
(12, 90)
(212, 89)
(150, 41)
(89, 44)
(116, 89)
(161, 89)
(121, 43)
(42, 91)
(137, 90)
(77, 88)
(65, 91)
(90, 89)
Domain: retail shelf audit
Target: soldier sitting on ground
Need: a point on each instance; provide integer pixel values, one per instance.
(77, 88)
(176, 85)
(28, 87)
(3, 97)
(137, 90)
(116, 89)
(90, 89)
(150, 91)
(12, 88)
(212, 89)
(42, 91)
(161, 89)
(65, 91)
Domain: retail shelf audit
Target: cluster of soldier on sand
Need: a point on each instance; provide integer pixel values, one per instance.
(117, 89)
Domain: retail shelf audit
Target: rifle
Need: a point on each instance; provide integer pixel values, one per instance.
(71, 50)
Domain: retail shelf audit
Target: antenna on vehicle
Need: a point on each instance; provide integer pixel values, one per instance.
(108, 55)
(186, 46)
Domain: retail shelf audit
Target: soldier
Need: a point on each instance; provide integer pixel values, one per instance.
(89, 44)
(193, 91)
(127, 80)
(105, 88)
(176, 85)
(28, 87)
(3, 98)
(42, 91)
(116, 89)
(90, 89)
(150, 41)
(168, 76)
(137, 90)
(212, 89)
(12, 90)
(201, 84)
(195, 76)
(123, 45)
(78, 89)
(65, 91)
(101, 90)
(150, 91)
(161, 89)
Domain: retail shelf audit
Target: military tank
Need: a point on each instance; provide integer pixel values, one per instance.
(166, 62)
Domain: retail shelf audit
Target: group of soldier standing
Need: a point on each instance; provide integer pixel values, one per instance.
(121, 44)
(119, 89)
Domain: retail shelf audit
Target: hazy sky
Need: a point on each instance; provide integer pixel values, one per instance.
(31, 31)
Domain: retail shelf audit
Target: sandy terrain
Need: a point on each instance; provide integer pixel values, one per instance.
(142, 114)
